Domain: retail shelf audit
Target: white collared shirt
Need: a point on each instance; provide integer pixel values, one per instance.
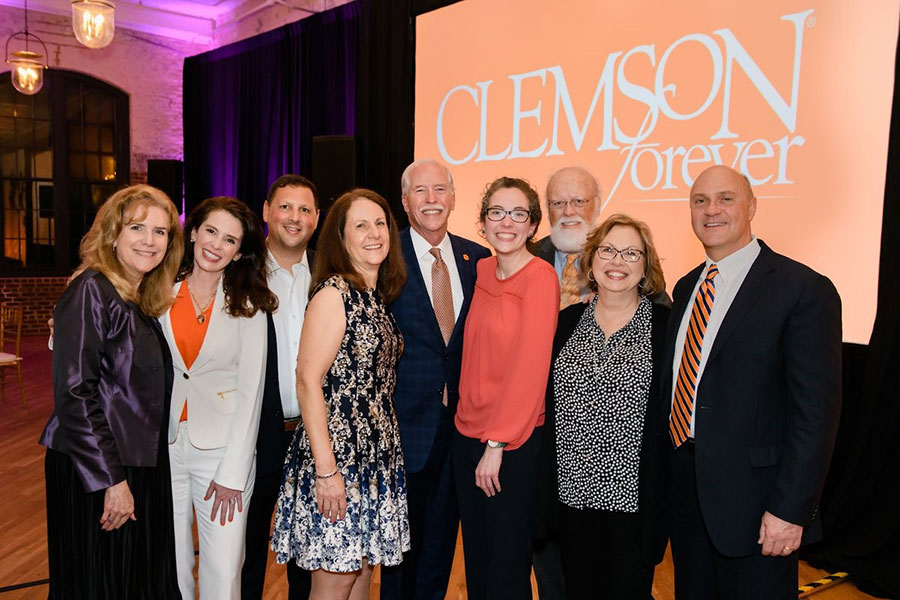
(292, 289)
(733, 270)
(423, 253)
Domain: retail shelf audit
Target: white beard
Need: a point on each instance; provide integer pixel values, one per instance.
(569, 239)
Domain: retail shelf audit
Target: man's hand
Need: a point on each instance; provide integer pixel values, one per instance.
(778, 537)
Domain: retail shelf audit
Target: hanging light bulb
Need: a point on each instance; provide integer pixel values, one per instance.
(94, 22)
(27, 66)
(27, 72)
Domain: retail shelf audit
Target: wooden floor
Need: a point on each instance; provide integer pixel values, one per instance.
(22, 518)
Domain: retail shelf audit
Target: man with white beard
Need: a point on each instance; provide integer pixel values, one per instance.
(573, 205)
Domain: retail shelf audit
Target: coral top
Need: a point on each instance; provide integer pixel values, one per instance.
(506, 352)
(189, 333)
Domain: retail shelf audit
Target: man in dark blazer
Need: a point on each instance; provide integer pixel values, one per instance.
(291, 212)
(573, 205)
(751, 403)
(427, 390)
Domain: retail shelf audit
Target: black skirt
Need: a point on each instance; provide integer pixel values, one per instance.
(136, 561)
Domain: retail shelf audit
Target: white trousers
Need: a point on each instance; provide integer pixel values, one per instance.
(221, 546)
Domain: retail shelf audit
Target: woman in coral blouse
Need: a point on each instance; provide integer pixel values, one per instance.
(506, 360)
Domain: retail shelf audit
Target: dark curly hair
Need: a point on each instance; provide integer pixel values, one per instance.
(332, 257)
(244, 280)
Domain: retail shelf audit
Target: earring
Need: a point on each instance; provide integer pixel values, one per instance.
(641, 284)
(115, 243)
(591, 275)
(193, 239)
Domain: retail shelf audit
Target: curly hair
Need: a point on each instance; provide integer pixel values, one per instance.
(244, 280)
(653, 281)
(128, 205)
(534, 202)
(332, 257)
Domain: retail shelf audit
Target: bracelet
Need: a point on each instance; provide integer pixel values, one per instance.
(327, 475)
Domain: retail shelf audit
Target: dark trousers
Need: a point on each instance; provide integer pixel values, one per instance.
(601, 555)
(497, 531)
(433, 525)
(548, 569)
(703, 573)
(259, 527)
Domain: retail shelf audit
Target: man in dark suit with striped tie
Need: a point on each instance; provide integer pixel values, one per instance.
(754, 394)
(431, 313)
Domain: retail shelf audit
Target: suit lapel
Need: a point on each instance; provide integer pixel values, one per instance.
(465, 266)
(679, 306)
(416, 285)
(166, 322)
(753, 285)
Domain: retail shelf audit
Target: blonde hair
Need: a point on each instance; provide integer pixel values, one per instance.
(653, 281)
(154, 294)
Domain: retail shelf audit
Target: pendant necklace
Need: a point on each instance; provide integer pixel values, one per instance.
(201, 316)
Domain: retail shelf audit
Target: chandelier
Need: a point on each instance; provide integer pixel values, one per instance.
(27, 66)
(94, 22)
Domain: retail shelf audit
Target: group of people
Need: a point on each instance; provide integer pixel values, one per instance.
(547, 395)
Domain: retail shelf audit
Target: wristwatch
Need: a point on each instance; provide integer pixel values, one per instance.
(493, 444)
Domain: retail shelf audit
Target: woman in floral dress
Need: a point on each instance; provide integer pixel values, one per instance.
(342, 507)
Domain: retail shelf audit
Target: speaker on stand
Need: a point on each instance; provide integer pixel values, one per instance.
(333, 171)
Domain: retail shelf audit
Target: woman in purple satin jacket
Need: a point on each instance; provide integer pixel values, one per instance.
(109, 503)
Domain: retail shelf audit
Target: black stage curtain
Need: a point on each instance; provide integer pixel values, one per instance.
(385, 93)
(251, 108)
(861, 503)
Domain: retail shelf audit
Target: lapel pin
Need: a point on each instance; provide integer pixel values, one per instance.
(465, 257)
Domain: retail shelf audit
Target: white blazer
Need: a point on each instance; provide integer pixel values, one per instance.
(223, 388)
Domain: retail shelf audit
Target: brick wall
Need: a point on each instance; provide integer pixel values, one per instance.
(37, 295)
(146, 67)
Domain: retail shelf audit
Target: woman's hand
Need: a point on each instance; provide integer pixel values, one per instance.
(118, 506)
(331, 496)
(226, 499)
(487, 473)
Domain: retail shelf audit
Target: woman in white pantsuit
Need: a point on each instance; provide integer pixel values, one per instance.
(216, 330)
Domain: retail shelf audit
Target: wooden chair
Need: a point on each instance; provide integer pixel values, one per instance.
(11, 329)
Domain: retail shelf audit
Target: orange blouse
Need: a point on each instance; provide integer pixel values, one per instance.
(506, 352)
(187, 331)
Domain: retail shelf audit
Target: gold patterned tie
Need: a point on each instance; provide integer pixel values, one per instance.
(442, 299)
(570, 285)
(688, 369)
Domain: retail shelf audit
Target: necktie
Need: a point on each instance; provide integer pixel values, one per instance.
(442, 295)
(686, 382)
(442, 299)
(570, 285)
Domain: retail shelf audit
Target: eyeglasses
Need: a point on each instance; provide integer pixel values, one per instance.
(519, 215)
(629, 255)
(560, 204)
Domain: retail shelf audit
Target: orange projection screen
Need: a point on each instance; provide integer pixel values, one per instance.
(646, 94)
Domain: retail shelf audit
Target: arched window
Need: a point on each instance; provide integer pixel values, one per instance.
(63, 152)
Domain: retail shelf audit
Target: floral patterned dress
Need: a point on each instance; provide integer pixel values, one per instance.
(362, 425)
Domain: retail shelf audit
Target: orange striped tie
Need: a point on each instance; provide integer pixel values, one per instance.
(686, 383)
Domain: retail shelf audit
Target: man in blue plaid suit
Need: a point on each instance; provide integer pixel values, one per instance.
(428, 377)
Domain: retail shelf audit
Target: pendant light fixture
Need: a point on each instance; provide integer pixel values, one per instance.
(27, 66)
(94, 22)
